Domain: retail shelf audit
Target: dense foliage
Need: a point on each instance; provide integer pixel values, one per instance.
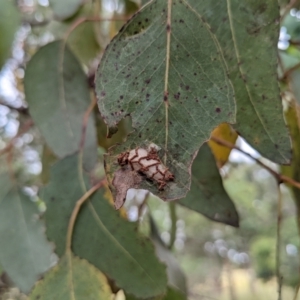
(121, 102)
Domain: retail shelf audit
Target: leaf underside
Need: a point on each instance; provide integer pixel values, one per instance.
(72, 278)
(24, 251)
(179, 74)
(207, 195)
(58, 96)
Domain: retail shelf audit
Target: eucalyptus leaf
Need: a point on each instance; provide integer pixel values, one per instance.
(72, 278)
(24, 251)
(83, 39)
(179, 73)
(57, 92)
(207, 195)
(101, 235)
(294, 83)
(9, 22)
(65, 9)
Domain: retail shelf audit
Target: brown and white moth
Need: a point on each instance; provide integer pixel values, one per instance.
(147, 162)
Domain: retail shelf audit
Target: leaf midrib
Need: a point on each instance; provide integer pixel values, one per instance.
(116, 242)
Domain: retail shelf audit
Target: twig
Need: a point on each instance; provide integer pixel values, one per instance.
(295, 43)
(34, 23)
(278, 243)
(10, 144)
(279, 177)
(85, 122)
(173, 217)
(76, 211)
(288, 8)
(82, 20)
(287, 73)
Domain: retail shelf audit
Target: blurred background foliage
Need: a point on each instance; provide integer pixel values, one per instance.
(219, 261)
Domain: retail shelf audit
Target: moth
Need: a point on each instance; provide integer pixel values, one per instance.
(147, 162)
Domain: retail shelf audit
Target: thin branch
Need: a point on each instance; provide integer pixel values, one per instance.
(22, 130)
(76, 210)
(295, 43)
(287, 73)
(278, 243)
(279, 177)
(85, 122)
(288, 8)
(173, 217)
(82, 20)
(34, 23)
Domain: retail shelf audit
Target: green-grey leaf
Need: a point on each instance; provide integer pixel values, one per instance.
(65, 9)
(288, 61)
(165, 82)
(9, 22)
(57, 92)
(83, 39)
(248, 34)
(24, 251)
(83, 42)
(207, 195)
(101, 235)
(72, 278)
(178, 66)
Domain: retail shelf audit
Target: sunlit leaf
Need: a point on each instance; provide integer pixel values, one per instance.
(221, 153)
(179, 74)
(131, 6)
(101, 235)
(292, 116)
(57, 92)
(207, 195)
(24, 251)
(9, 22)
(72, 278)
(65, 9)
